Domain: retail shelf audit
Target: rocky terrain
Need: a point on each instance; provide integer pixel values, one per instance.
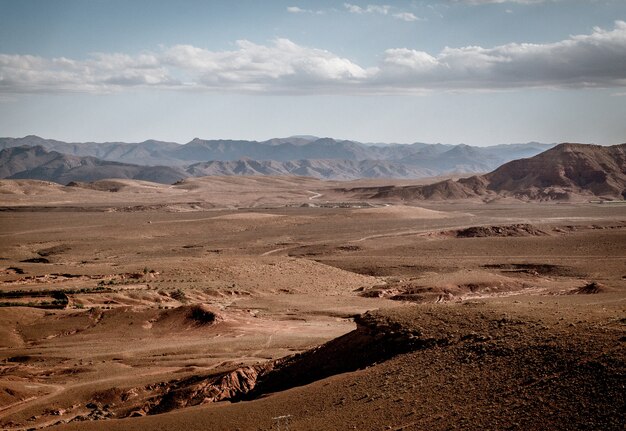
(260, 302)
(231, 301)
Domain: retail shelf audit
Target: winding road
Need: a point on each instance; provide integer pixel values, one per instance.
(315, 195)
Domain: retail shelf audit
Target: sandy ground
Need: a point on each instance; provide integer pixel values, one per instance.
(167, 303)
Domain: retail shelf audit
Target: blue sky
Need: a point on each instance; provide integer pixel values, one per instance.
(481, 72)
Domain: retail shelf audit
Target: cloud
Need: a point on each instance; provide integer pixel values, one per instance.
(481, 2)
(102, 72)
(382, 10)
(372, 8)
(406, 16)
(597, 59)
(296, 9)
(278, 67)
(281, 66)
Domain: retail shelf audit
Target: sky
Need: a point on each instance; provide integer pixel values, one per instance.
(479, 72)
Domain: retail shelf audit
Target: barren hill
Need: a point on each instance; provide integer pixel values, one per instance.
(564, 172)
(565, 169)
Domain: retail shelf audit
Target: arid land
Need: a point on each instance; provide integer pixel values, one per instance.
(261, 303)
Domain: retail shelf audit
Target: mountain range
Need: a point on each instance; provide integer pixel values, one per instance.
(299, 155)
(564, 172)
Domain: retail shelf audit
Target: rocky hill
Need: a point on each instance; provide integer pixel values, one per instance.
(563, 170)
(567, 171)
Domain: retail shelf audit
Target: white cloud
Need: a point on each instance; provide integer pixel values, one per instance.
(382, 10)
(406, 16)
(353, 8)
(26, 73)
(595, 60)
(282, 66)
(481, 2)
(296, 9)
(279, 66)
(263, 66)
(372, 8)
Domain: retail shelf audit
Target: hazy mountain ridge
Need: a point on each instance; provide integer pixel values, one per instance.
(418, 159)
(148, 153)
(317, 168)
(36, 163)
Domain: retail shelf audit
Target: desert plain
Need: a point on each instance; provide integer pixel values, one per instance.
(266, 303)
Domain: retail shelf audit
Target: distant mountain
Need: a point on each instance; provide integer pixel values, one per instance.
(37, 163)
(296, 140)
(465, 158)
(561, 173)
(146, 153)
(317, 168)
(417, 159)
(460, 158)
(325, 148)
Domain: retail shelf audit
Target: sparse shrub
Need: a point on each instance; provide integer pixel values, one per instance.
(59, 296)
(202, 315)
(178, 295)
